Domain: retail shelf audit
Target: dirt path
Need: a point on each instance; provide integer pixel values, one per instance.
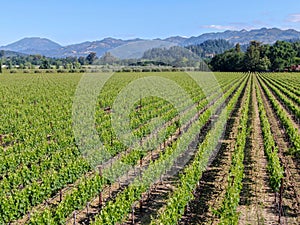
(55, 200)
(109, 193)
(211, 190)
(155, 198)
(159, 190)
(295, 121)
(257, 200)
(291, 189)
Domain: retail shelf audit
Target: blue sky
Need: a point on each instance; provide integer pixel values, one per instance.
(73, 21)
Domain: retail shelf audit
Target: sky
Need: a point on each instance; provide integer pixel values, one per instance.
(74, 21)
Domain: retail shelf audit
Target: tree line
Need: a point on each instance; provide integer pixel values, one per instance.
(175, 56)
(42, 62)
(220, 55)
(280, 56)
(211, 47)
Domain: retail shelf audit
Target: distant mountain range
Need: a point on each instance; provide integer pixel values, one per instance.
(136, 47)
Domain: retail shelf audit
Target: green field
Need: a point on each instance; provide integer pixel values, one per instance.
(222, 159)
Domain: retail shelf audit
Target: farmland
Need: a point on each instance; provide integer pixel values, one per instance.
(230, 155)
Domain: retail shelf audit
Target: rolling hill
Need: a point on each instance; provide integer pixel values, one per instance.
(136, 47)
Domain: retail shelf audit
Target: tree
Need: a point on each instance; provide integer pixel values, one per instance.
(2, 53)
(176, 56)
(264, 50)
(282, 54)
(45, 64)
(68, 66)
(9, 65)
(296, 46)
(264, 64)
(231, 60)
(210, 47)
(81, 60)
(0, 66)
(21, 66)
(256, 57)
(76, 65)
(58, 64)
(108, 58)
(91, 58)
(252, 56)
(238, 47)
(28, 65)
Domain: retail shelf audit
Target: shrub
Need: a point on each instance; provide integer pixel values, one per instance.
(50, 71)
(166, 69)
(137, 70)
(156, 70)
(61, 71)
(146, 70)
(128, 70)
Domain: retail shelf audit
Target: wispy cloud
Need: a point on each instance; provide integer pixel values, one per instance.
(230, 26)
(294, 18)
(219, 27)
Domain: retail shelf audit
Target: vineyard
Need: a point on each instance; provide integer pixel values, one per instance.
(204, 154)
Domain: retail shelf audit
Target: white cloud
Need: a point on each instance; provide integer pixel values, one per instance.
(294, 18)
(230, 26)
(219, 27)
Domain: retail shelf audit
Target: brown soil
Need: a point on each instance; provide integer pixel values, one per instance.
(291, 210)
(209, 194)
(257, 200)
(152, 155)
(158, 191)
(109, 193)
(291, 116)
(154, 200)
